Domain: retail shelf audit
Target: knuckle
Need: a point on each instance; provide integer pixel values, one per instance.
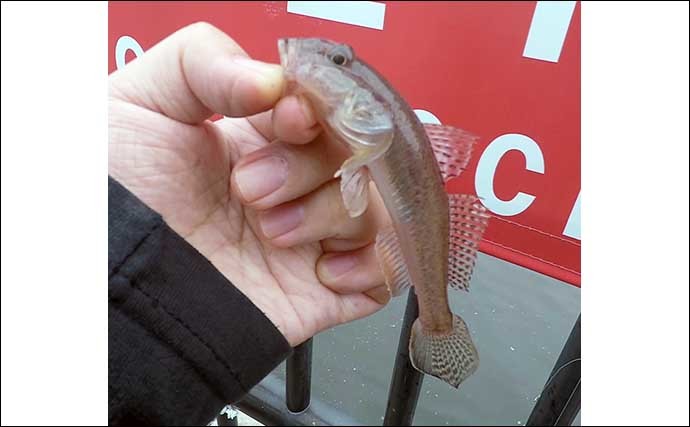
(203, 29)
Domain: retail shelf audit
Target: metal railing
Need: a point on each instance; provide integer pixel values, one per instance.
(289, 402)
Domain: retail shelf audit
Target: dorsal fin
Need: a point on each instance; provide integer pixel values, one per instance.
(452, 148)
(468, 220)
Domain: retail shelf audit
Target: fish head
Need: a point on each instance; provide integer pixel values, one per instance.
(329, 75)
(318, 67)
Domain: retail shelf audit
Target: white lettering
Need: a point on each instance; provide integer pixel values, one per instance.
(572, 228)
(486, 169)
(124, 44)
(427, 117)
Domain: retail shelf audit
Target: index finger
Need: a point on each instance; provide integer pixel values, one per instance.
(294, 120)
(195, 72)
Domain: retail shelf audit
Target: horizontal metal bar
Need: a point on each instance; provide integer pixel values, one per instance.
(266, 404)
(559, 401)
(298, 377)
(407, 381)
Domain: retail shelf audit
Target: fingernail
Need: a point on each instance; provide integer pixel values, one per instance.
(271, 74)
(261, 177)
(337, 265)
(280, 220)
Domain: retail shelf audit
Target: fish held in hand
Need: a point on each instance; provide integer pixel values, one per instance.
(433, 240)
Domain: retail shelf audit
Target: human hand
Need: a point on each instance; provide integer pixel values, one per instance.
(253, 192)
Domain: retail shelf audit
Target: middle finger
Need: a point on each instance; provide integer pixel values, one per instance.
(321, 215)
(280, 172)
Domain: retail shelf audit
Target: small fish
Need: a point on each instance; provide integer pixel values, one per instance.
(433, 241)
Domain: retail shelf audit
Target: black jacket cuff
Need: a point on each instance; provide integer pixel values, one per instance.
(167, 300)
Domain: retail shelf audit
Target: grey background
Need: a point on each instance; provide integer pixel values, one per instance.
(519, 321)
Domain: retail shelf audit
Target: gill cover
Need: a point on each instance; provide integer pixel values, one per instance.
(367, 127)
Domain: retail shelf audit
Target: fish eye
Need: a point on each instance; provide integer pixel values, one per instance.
(340, 55)
(338, 59)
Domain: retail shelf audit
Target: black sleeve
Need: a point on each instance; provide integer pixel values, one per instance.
(182, 340)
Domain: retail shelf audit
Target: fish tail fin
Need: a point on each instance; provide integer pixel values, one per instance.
(450, 357)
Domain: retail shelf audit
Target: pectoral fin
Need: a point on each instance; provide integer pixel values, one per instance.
(354, 180)
(354, 187)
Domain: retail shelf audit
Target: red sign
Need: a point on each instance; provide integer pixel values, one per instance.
(507, 72)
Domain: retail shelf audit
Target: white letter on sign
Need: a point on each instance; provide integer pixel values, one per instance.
(124, 44)
(427, 117)
(486, 169)
(572, 228)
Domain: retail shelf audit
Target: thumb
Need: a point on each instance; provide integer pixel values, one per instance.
(195, 72)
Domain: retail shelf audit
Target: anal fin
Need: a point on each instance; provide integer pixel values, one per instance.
(468, 221)
(391, 262)
(452, 148)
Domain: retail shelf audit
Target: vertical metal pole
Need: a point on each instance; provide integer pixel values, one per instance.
(298, 378)
(559, 402)
(407, 381)
(571, 409)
